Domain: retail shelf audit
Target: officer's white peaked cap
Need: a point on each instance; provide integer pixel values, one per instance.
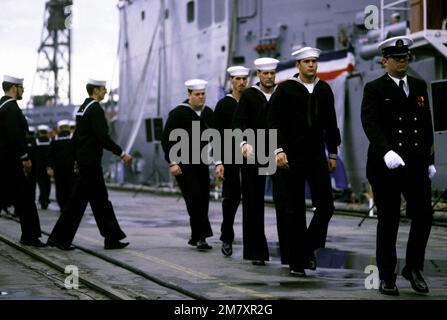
(235, 71)
(264, 64)
(306, 52)
(98, 83)
(398, 46)
(196, 84)
(12, 79)
(72, 123)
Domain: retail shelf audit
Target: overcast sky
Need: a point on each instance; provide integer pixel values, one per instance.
(94, 41)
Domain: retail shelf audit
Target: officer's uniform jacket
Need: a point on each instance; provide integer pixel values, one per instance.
(393, 121)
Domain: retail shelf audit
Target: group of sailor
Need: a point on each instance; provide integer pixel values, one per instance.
(73, 158)
(397, 122)
(395, 116)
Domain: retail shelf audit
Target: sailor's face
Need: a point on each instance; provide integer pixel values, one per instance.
(197, 98)
(267, 78)
(239, 83)
(308, 67)
(19, 89)
(101, 92)
(396, 65)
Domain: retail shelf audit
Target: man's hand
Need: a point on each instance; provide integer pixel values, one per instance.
(247, 150)
(127, 159)
(281, 160)
(175, 170)
(50, 172)
(393, 160)
(431, 171)
(27, 166)
(219, 172)
(332, 165)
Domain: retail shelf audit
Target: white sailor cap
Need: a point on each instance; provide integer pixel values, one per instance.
(43, 127)
(306, 52)
(31, 129)
(264, 64)
(62, 123)
(395, 46)
(395, 15)
(235, 71)
(196, 84)
(12, 79)
(72, 123)
(98, 83)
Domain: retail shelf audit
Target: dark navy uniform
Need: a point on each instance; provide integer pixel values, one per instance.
(393, 121)
(251, 113)
(231, 186)
(89, 140)
(61, 160)
(41, 151)
(306, 124)
(14, 187)
(194, 182)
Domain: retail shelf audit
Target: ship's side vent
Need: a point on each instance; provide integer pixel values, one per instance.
(204, 13)
(219, 10)
(190, 6)
(326, 43)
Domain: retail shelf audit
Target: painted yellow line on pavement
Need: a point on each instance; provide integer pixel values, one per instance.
(187, 270)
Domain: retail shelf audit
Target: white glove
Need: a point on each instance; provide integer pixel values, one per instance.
(431, 171)
(393, 160)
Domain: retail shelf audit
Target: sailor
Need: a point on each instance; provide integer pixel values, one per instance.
(192, 178)
(251, 113)
(397, 121)
(42, 148)
(60, 163)
(72, 124)
(229, 171)
(303, 112)
(89, 140)
(14, 162)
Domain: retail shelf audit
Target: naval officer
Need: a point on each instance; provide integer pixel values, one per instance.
(303, 112)
(192, 178)
(397, 121)
(15, 189)
(229, 171)
(89, 140)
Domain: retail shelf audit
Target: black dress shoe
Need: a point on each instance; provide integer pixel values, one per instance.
(388, 288)
(33, 243)
(192, 242)
(297, 272)
(203, 245)
(417, 281)
(227, 249)
(114, 244)
(258, 262)
(60, 246)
